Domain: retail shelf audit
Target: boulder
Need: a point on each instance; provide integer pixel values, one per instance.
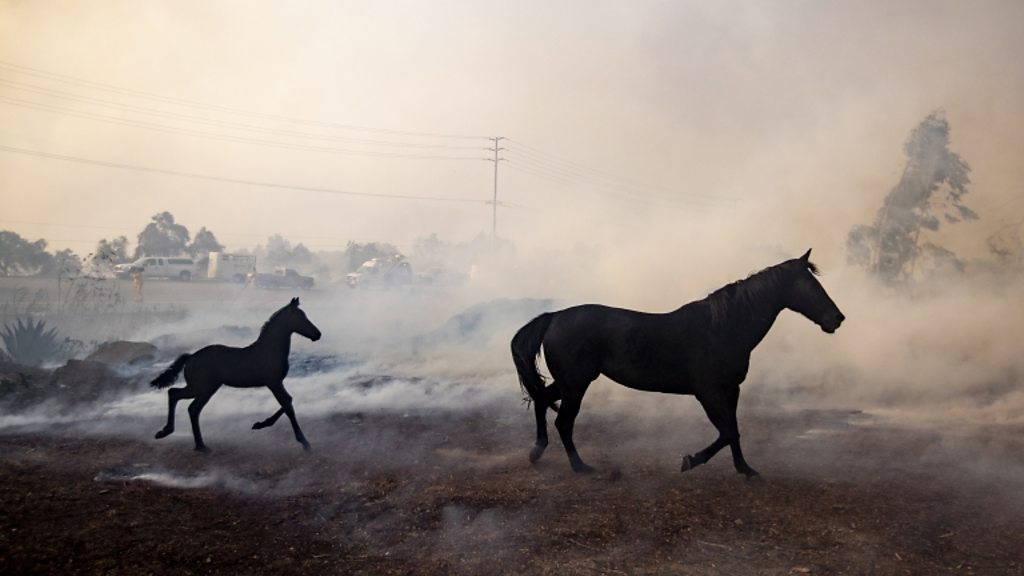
(122, 353)
(86, 381)
(18, 382)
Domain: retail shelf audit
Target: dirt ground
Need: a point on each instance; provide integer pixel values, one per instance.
(453, 493)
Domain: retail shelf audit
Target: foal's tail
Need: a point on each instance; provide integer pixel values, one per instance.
(525, 349)
(171, 374)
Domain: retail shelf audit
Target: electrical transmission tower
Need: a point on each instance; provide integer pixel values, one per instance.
(494, 201)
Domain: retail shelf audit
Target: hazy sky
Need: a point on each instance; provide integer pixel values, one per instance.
(703, 125)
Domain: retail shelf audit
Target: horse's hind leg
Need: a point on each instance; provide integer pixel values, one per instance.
(540, 408)
(269, 421)
(173, 395)
(285, 400)
(564, 422)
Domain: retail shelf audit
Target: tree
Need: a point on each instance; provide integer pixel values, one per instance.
(278, 249)
(204, 243)
(356, 254)
(1007, 246)
(933, 184)
(280, 252)
(68, 264)
(18, 256)
(115, 250)
(162, 237)
(302, 255)
(431, 252)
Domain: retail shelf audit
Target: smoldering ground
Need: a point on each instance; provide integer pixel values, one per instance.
(881, 447)
(891, 446)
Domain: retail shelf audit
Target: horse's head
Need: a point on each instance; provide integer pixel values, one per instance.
(296, 321)
(806, 296)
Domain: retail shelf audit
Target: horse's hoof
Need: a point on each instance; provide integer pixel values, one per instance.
(751, 474)
(258, 425)
(582, 468)
(688, 463)
(163, 433)
(536, 452)
(202, 449)
(306, 446)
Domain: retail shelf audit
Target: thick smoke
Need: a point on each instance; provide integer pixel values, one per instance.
(755, 134)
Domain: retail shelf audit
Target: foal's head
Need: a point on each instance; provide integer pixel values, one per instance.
(806, 296)
(293, 319)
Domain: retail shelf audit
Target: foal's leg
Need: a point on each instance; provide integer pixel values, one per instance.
(285, 400)
(549, 395)
(173, 395)
(193, 413)
(269, 421)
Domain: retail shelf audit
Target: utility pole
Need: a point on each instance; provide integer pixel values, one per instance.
(494, 201)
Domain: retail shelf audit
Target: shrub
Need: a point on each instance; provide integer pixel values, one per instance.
(31, 343)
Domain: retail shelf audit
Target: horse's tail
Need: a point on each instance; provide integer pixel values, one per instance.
(171, 374)
(525, 349)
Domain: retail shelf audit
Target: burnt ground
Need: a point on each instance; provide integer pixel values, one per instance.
(388, 493)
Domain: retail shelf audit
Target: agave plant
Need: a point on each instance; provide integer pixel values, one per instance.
(31, 343)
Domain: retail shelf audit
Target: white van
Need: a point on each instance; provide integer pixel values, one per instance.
(177, 268)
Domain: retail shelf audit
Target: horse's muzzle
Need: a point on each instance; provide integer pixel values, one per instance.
(832, 323)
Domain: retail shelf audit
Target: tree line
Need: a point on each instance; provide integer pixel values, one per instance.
(164, 236)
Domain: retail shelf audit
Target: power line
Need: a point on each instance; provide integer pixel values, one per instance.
(632, 199)
(223, 179)
(193, 104)
(223, 137)
(545, 160)
(35, 89)
(570, 179)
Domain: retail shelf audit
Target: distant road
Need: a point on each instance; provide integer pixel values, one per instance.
(159, 293)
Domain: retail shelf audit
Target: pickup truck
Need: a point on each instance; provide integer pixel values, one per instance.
(182, 268)
(281, 278)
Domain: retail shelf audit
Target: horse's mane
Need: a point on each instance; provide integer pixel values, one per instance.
(267, 324)
(750, 292)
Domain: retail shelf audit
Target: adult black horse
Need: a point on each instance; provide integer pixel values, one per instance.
(262, 363)
(702, 349)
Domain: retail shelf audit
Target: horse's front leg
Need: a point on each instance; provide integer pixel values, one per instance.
(285, 400)
(269, 421)
(720, 406)
(194, 409)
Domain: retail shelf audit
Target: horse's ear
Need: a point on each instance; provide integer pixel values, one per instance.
(807, 256)
(294, 302)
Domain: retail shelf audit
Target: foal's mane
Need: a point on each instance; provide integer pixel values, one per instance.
(270, 321)
(754, 290)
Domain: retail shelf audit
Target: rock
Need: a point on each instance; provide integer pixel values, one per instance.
(122, 353)
(18, 382)
(85, 380)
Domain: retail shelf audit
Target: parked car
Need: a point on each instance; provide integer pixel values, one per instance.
(281, 278)
(178, 268)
